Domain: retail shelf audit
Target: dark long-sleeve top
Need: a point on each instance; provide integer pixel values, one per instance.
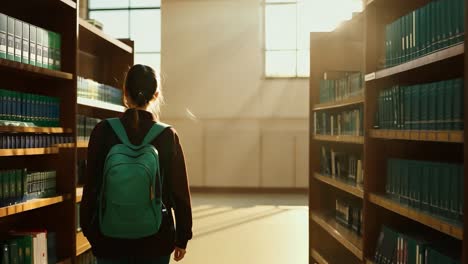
(175, 191)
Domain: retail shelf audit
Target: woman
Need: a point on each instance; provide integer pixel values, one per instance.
(141, 93)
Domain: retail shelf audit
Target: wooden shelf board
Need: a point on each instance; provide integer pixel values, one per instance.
(419, 135)
(82, 144)
(342, 138)
(434, 57)
(82, 244)
(27, 152)
(30, 205)
(317, 257)
(65, 261)
(344, 236)
(69, 3)
(341, 103)
(79, 194)
(100, 105)
(340, 185)
(100, 34)
(368, 261)
(23, 129)
(17, 66)
(418, 216)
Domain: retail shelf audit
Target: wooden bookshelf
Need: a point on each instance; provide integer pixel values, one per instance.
(340, 139)
(418, 216)
(341, 103)
(79, 194)
(24, 129)
(317, 257)
(82, 244)
(346, 237)
(419, 135)
(87, 52)
(14, 66)
(353, 190)
(100, 105)
(28, 152)
(30, 205)
(431, 58)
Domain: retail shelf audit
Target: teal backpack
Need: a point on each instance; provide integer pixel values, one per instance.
(130, 202)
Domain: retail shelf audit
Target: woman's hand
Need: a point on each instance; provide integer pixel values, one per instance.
(179, 254)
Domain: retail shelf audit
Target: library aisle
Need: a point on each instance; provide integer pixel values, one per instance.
(248, 228)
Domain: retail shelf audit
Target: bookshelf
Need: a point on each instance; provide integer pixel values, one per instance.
(87, 52)
(334, 56)
(442, 147)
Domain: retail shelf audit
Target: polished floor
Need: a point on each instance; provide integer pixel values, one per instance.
(248, 229)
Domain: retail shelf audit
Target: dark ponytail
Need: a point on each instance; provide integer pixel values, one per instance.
(140, 86)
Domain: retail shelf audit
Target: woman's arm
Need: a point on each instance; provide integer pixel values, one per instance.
(180, 195)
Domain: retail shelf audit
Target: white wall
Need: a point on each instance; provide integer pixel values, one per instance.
(238, 129)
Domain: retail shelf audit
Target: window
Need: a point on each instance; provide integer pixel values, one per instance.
(288, 24)
(139, 20)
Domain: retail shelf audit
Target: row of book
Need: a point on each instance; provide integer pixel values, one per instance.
(346, 167)
(29, 44)
(349, 215)
(437, 25)
(348, 122)
(397, 247)
(350, 85)
(30, 108)
(90, 89)
(29, 247)
(85, 126)
(23, 141)
(19, 185)
(86, 258)
(436, 188)
(429, 106)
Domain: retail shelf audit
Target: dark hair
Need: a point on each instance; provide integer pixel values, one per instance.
(140, 85)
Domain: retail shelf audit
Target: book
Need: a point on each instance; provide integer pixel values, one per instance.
(18, 40)
(39, 47)
(3, 36)
(32, 45)
(26, 48)
(11, 38)
(45, 49)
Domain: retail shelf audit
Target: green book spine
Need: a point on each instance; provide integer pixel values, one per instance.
(460, 181)
(458, 104)
(39, 49)
(387, 45)
(404, 35)
(5, 253)
(425, 190)
(415, 104)
(448, 104)
(45, 49)
(461, 20)
(19, 185)
(417, 37)
(11, 38)
(3, 36)
(18, 40)
(445, 23)
(440, 95)
(453, 190)
(389, 184)
(13, 248)
(26, 47)
(20, 241)
(12, 182)
(438, 25)
(58, 51)
(1, 188)
(445, 189)
(433, 186)
(424, 110)
(6, 187)
(413, 35)
(422, 30)
(32, 45)
(394, 42)
(51, 45)
(433, 16)
(432, 106)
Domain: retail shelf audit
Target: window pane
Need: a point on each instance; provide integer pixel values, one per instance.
(280, 26)
(145, 3)
(145, 28)
(303, 63)
(107, 3)
(150, 59)
(280, 64)
(115, 23)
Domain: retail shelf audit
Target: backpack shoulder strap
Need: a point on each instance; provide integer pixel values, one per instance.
(119, 130)
(155, 131)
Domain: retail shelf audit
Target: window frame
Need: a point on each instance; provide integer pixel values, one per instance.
(265, 50)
